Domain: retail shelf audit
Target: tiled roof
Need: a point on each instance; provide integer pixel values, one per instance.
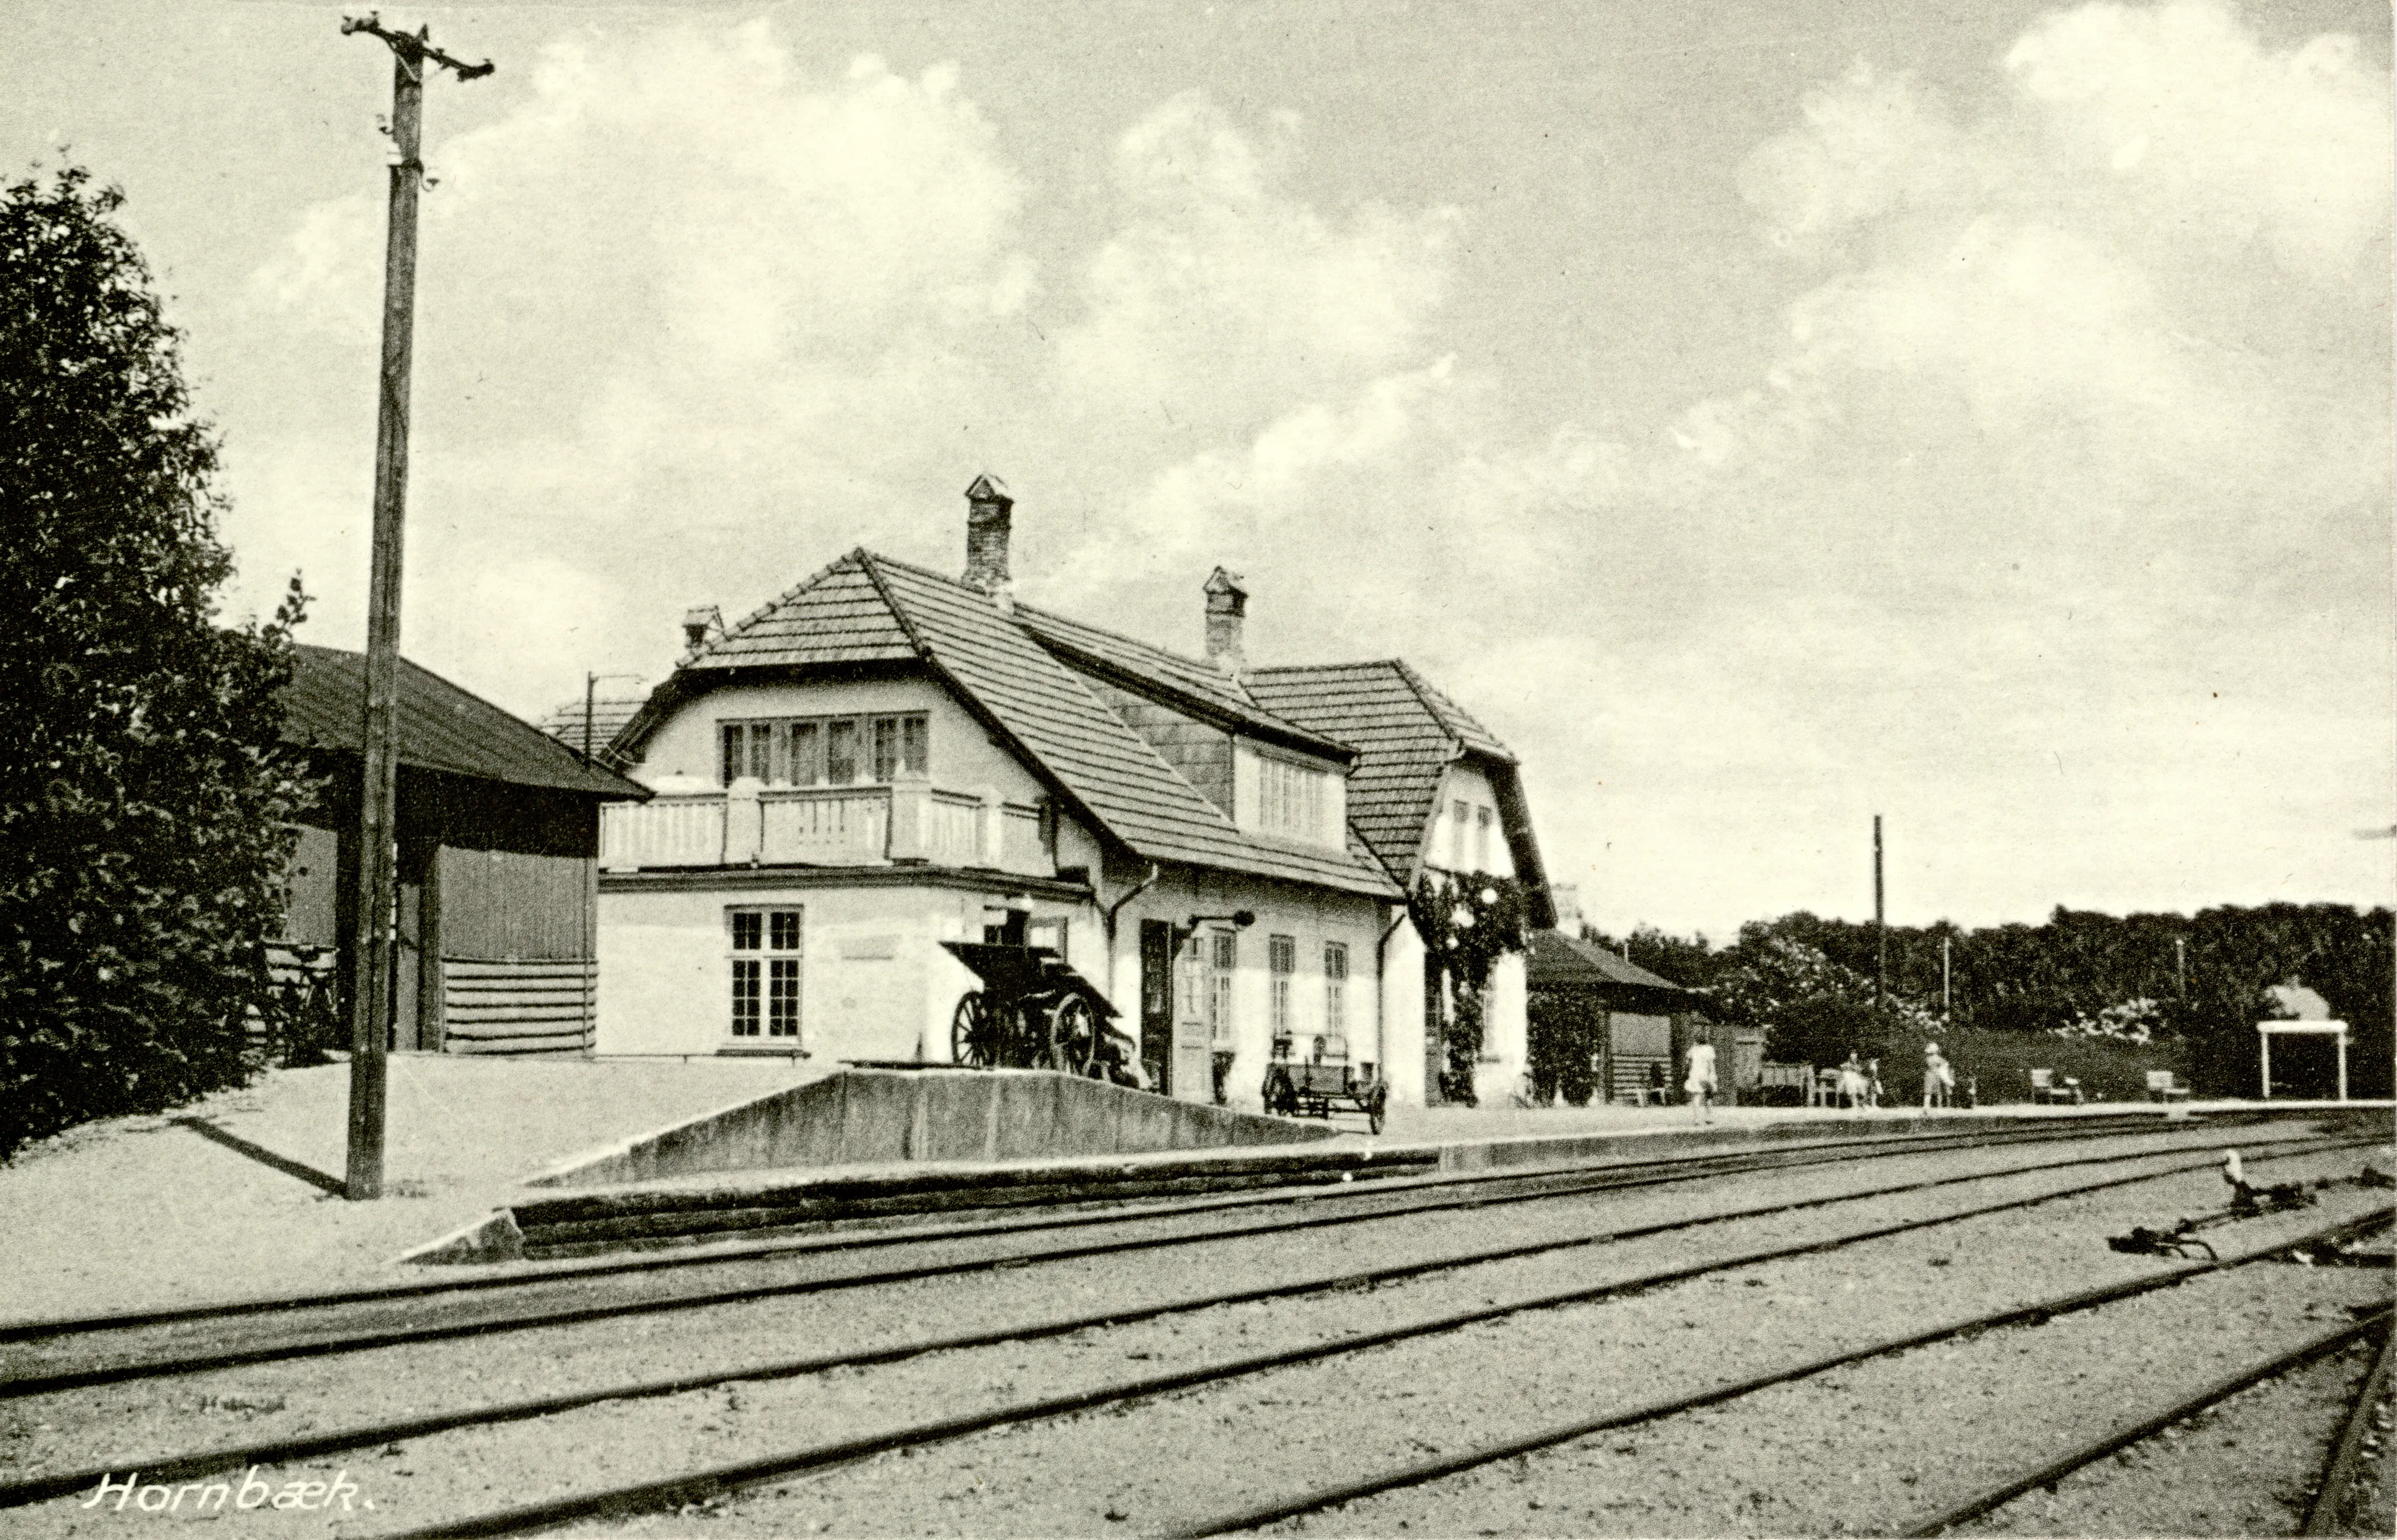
(607, 717)
(1201, 682)
(1458, 724)
(865, 608)
(1559, 961)
(835, 616)
(441, 726)
(1404, 731)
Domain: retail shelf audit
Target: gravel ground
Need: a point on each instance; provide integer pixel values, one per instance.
(271, 1400)
(2245, 1465)
(1174, 1456)
(1230, 1446)
(134, 1211)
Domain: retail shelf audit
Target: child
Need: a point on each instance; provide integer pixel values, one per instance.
(1700, 1082)
(1939, 1079)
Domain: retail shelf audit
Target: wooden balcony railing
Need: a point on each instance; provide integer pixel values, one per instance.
(753, 826)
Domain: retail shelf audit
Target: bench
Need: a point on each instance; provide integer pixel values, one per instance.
(2046, 1088)
(1637, 1077)
(2162, 1085)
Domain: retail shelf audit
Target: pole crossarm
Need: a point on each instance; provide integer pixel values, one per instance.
(414, 46)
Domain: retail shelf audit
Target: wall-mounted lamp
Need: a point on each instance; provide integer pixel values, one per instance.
(1239, 920)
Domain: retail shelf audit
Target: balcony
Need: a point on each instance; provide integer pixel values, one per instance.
(755, 826)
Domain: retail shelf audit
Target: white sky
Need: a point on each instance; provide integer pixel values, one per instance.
(1762, 415)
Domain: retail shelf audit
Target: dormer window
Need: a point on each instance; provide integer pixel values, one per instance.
(1288, 797)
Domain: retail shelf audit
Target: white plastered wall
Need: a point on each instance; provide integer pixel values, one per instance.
(1310, 917)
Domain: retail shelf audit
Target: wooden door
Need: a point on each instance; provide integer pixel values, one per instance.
(1157, 1003)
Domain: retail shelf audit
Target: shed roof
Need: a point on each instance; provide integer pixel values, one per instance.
(865, 608)
(441, 728)
(1559, 961)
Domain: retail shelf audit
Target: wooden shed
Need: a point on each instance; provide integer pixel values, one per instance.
(499, 844)
(1641, 1023)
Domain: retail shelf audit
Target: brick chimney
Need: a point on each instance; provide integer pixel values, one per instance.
(987, 522)
(1227, 603)
(701, 624)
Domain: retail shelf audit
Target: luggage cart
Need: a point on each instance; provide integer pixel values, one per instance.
(1326, 1082)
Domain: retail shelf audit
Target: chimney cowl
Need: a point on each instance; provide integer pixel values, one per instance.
(1228, 606)
(989, 523)
(701, 623)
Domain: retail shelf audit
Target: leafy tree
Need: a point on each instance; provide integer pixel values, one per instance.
(144, 792)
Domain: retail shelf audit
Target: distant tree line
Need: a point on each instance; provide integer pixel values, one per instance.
(1809, 981)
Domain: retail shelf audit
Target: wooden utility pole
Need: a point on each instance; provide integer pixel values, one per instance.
(1880, 929)
(1947, 960)
(370, 1008)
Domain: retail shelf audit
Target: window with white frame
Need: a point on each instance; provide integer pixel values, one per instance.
(826, 750)
(1459, 814)
(1291, 798)
(1482, 819)
(1335, 991)
(1224, 959)
(1281, 968)
(765, 956)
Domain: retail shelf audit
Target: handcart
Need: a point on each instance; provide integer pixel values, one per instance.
(1324, 1083)
(1034, 1012)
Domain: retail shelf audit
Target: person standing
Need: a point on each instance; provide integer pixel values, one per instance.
(1939, 1079)
(1699, 1083)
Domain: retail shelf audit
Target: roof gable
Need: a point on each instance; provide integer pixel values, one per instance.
(867, 608)
(1406, 733)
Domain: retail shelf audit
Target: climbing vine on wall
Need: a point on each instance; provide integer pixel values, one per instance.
(1467, 923)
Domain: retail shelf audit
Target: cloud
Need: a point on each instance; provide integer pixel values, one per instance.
(2064, 475)
(659, 297)
(1225, 298)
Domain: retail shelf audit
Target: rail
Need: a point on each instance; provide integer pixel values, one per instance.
(754, 825)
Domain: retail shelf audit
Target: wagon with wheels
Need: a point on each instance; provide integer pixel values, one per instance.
(1032, 1012)
(1324, 1084)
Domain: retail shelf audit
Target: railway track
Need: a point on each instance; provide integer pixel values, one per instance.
(2050, 1471)
(1331, 1496)
(704, 1486)
(34, 1375)
(1421, 1194)
(696, 1486)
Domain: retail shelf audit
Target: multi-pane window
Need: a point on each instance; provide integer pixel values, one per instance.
(827, 751)
(1335, 990)
(765, 973)
(1225, 960)
(1290, 799)
(1482, 819)
(1281, 964)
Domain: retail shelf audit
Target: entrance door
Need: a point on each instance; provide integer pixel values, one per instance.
(1202, 1012)
(1157, 1003)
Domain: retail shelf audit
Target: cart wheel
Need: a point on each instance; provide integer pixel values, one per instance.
(1378, 1103)
(1073, 1035)
(973, 1034)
